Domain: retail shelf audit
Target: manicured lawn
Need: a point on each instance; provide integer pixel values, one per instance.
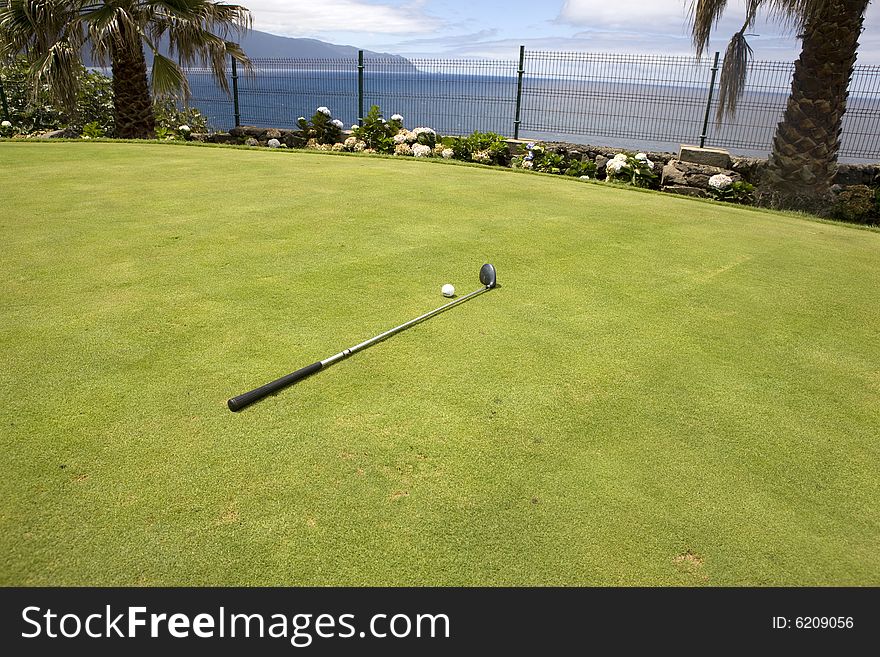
(664, 391)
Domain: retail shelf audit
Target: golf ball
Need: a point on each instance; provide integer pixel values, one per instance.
(447, 290)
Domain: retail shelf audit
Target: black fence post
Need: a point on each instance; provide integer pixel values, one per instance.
(519, 82)
(360, 87)
(709, 101)
(235, 93)
(3, 105)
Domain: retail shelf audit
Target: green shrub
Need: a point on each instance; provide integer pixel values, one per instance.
(637, 170)
(377, 133)
(92, 130)
(580, 168)
(550, 163)
(321, 129)
(172, 120)
(483, 147)
(32, 111)
(723, 188)
(858, 204)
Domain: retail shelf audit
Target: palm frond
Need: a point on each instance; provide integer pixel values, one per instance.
(48, 32)
(57, 69)
(733, 75)
(168, 78)
(794, 14)
(704, 16)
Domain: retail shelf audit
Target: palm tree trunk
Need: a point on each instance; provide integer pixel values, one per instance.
(804, 158)
(132, 106)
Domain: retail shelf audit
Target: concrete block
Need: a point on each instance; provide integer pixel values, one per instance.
(713, 157)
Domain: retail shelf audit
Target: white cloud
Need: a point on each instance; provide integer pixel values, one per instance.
(622, 12)
(319, 18)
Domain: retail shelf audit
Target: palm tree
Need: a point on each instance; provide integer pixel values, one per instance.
(53, 33)
(804, 156)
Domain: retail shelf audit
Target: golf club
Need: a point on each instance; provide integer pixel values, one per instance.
(487, 278)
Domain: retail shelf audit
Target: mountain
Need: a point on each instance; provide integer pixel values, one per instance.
(262, 45)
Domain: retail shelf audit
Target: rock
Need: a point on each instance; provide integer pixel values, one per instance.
(273, 133)
(855, 174)
(250, 141)
(672, 175)
(750, 168)
(700, 180)
(248, 131)
(601, 161)
(273, 143)
(54, 134)
(713, 157)
(223, 138)
(686, 191)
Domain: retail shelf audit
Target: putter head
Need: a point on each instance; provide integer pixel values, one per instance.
(487, 275)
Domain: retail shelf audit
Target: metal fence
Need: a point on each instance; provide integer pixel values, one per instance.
(627, 101)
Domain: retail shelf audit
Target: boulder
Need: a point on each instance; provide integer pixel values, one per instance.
(672, 175)
(712, 157)
(248, 131)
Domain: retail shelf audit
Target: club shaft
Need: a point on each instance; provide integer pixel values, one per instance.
(248, 398)
(397, 329)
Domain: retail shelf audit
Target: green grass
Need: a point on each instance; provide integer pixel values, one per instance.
(663, 392)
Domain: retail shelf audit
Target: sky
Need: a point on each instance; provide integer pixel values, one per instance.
(470, 28)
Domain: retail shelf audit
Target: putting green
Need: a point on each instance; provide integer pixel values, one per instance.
(662, 391)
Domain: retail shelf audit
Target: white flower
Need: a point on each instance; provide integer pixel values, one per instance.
(323, 110)
(355, 126)
(338, 146)
(337, 123)
(403, 149)
(615, 165)
(447, 153)
(273, 143)
(302, 118)
(420, 150)
(184, 128)
(642, 157)
(400, 137)
(527, 164)
(585, 177)
(383, 121)
(646, 162)
(350, 142)
(396, 117)
(481, 156)
(620, 157)
(719, 181)
(427, 131)
(360, 146)
(5, 124)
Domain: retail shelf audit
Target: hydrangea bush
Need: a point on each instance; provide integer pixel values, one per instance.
(482, 147)
(322, 128)
(538, 158)
(635, 169)
(723, 188)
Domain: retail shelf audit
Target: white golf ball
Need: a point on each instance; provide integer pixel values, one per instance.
(447, 290)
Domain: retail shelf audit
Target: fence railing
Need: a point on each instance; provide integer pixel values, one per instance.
(638, 101)
(626, 101)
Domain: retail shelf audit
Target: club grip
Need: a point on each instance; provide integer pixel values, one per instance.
(248, 398)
